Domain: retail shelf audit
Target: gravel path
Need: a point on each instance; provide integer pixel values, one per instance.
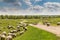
(52, 29)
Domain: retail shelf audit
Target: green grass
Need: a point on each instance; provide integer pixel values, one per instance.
(31, 34)
(36, 34)
(53, 21)
(5, 22)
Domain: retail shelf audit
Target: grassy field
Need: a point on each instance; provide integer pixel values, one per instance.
(5, 22)
(31, 34)
(36, 34)
(53, 21)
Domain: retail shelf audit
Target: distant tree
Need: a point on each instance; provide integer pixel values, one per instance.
(2, 17)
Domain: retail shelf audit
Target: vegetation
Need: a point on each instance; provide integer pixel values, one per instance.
(36, 34)
(31, 34)
(27, 16)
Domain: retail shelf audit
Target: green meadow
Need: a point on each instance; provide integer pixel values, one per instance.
(32, 33)
(36, 34)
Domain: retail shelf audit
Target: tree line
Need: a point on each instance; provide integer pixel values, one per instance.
(27, 16)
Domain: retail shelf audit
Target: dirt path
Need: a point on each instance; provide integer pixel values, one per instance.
(52, 29)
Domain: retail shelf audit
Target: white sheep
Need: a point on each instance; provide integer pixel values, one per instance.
(14, 31)
(21, 32)
(25, 28)
(9, 37)
(12, 34)
(18, 27)
(58, 23)
(4, 33)
(9, 27)
(2, 37)
(48, 24)
(9, 33)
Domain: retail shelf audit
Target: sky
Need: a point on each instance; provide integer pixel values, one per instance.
(30, 7)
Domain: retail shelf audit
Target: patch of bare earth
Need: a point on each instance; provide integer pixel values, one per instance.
(52, 29)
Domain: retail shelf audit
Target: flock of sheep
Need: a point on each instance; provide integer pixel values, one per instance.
(48, 23)
(13, 33)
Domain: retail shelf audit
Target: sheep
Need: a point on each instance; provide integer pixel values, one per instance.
(58, 23)
(23, 24)
(25, 28)
(21, 32)
(9, 33)
(9, 37)
(9, 27)
(2, 37)
(18, 27)
(18, 30)
(4, 33)
(12, 34)
(48, 24)
(13, 31)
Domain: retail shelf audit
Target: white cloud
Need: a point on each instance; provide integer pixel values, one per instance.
(28, 2)
(36, 8)
(52, 6)
(49, 8)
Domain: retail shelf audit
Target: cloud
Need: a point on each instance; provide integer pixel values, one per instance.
(28, 2)
(36, 8)
(52, 6)
(48, 8)
(14, 2)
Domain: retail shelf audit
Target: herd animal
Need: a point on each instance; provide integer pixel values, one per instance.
(48, 23)
(13, 33)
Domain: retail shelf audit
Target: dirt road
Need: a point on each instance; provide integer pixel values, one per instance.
(52, 29)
